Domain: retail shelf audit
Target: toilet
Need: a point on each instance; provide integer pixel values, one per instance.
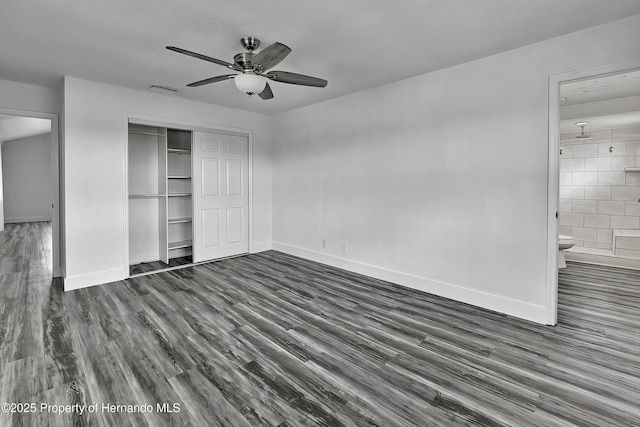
(564, 243)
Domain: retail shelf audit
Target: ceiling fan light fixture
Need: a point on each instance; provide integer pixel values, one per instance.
(250, 68)
(250, 83)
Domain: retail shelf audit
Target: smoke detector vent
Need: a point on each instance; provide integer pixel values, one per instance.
(161, 88)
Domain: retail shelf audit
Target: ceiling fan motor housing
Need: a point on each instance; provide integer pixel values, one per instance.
(244, 60)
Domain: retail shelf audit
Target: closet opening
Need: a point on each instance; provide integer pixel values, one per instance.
(160, 215)
(187, 197)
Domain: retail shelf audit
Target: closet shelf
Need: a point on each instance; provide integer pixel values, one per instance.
(181, 244)
(141, 132)
(178, 151)
(145, 195)
(179, 220)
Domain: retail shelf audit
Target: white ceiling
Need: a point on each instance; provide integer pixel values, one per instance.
(354, 44)
(593, 91)
(15, 127)
(601, 88)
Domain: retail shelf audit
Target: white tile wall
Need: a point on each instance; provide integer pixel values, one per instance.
(598, 164)
(625, 193)
(632, 208)
(566, 151)
(564, 229)
(597, 195)
(565, 205)
(587, 178)
(566, 178)
(627, 222)
(631, 133)
(632, 178)
(633, 148)
(571, 192)
(604, 235)
(619, 163)
(611, 149)
(573, 219)
(584, 206)
(610, 178)
(584, 234)
(597, 221)
(585, 150)
(612, 207)
(571, 165)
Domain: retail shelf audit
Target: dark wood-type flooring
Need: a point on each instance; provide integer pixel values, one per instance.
(274, 340)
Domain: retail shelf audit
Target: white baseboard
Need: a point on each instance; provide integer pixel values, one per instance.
(16, 220)
(260, 247)
(516, 308)
(100, 278)
(610, 261)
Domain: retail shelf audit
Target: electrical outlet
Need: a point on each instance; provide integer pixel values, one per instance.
(344, 248)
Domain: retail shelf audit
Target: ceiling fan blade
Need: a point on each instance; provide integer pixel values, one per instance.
(271, 55)
(296, 79)
(203, 57)
(211, 80)
(266, 93)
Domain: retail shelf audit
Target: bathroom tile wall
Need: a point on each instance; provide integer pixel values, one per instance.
(598, 193)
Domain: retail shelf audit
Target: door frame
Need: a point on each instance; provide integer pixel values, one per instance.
(56, 203)
(147, 120)
(553, 181)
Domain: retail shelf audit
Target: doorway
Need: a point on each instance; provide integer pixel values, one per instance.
(600, 169)
(30, 173)
(592, 89)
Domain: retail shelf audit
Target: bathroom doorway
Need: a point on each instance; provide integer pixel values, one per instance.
(594, 148)
(599, 168)
(599, 204)
(29, 177)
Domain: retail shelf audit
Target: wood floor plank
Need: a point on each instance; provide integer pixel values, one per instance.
(226, 374)
(204, 402)
(145, 374)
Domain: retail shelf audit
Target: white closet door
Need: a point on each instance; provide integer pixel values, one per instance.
(220, 196)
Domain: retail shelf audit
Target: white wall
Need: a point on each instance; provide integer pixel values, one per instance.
(26, 166)
(437, 182)
(94, 171)
(1, 193)
(21, 96)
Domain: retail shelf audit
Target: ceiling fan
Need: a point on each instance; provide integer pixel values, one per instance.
(252, 68)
